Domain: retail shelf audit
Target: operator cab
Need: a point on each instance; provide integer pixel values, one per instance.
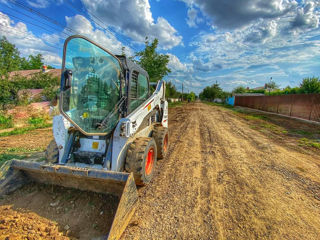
(97, 89)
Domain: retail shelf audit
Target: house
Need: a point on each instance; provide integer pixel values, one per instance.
(30, 73)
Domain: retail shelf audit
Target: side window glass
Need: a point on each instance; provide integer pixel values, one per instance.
(138, 91)
(142, 87)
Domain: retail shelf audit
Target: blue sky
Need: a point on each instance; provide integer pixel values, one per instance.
(232, 42)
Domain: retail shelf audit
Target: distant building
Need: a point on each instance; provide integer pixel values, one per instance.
(29, 73)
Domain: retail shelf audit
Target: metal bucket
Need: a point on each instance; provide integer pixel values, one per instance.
(14, 174)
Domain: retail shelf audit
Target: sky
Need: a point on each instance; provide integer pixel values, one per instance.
(231, 42)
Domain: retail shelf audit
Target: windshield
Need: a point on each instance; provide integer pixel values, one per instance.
(93, 94)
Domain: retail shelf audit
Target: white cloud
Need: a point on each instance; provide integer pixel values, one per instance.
(38, 3)
(26, 41)
(82, 25)
(175, 64)
(193, 18)
(234, 14)
(134, 19)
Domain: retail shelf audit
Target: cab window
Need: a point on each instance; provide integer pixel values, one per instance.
(139, 90)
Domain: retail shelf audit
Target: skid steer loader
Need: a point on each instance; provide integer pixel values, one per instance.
(110, 132)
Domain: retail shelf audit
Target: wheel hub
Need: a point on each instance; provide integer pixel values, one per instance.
(149, 161)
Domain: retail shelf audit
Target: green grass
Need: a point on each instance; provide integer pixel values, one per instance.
(301, 132)
(23, 130)
(36, 121)
(23, 150)
(6, 157)
(5, 121)
(309, 143)
(175, 104)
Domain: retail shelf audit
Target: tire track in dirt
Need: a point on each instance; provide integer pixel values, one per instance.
(251, 188)
(224, 180)
(174, 192)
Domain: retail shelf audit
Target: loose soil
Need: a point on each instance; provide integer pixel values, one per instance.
(223, 178)
(51, 212)
(36, 139)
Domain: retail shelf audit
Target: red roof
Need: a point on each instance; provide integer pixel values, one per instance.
(29, 73)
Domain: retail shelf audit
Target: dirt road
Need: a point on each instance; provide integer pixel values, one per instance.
(224, 180)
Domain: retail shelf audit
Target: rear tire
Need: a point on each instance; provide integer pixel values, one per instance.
(141, 159)
(52, 152)
(161, 136)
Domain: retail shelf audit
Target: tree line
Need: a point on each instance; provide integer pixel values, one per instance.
(308, 85)
(10, 59)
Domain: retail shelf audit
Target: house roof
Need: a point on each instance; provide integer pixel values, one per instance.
(259, 88)
(29, 73)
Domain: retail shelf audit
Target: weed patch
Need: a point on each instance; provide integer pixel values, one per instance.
(175, 104)
(36, 121)
(23, 130)
(5, 121)
(309, 143)
(6, 157)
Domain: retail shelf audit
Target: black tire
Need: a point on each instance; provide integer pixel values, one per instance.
(161, 136)
(139, 160)
(52, 152)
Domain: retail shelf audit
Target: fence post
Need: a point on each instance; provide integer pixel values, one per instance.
(291, 99)
(312, 105)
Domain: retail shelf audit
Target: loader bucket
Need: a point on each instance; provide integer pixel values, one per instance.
(15, 173)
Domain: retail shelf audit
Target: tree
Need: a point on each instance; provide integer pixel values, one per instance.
(271, 86)
(9, 57)
(171, 91)
(191, 97)
(154, 63)
(310, 85)
(34, 62)
(239, 89)
(211, 92)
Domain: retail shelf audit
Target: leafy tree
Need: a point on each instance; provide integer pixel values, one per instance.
(239, 89)
(310, 85)
(271, 85)
(33, 62)
(154, 63)
(9, 57)
(211, 92)
(191, 97)
(171, 91)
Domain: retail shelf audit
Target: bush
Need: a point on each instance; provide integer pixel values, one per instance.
(5, 121)
(50, 93)
(36, 120)
(10, 87)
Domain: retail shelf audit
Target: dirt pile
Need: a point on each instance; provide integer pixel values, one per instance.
(52, 212)
(23, 224)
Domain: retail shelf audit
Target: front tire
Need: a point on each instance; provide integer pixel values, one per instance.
(52, 152)
(141, 159)
(161, 136)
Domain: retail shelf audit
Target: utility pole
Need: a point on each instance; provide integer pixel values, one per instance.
(182, 93)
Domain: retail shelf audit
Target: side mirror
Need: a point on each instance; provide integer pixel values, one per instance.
(67, 79)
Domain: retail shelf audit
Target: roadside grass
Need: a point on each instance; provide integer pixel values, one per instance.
(175, 104)
(5, 121)
(18, 153)
(23, 130)
(309, 143)
(6, 157)
(305, 135)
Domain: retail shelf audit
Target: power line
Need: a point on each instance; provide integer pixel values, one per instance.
(27, 37)
(11, 15)
(38, 21)
(33, 11)
(103, 27)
